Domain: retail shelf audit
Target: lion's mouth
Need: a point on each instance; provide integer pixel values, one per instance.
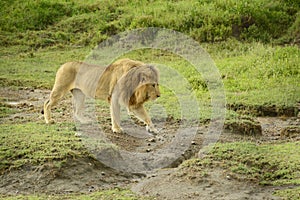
(153, 98)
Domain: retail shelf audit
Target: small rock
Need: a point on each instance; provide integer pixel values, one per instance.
(196, 193)
(228, 177)
(248, 192)
(135, 181)
(193, 143)
(77, 134)
(91, 188)
(148, 150)
(33, 99)
(151, 140)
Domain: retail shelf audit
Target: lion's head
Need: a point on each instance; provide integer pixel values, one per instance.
(145, 92)
(140, 85)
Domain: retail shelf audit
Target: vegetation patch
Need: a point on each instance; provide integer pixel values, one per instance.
(34, 69)
(243, 125)
(5, 110)
(73, 22)
(36, 144)
(290, 132)
(264, 110)
(292, 194)
(120, 194)
(276, 164)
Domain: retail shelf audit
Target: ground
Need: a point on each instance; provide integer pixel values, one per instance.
(88, 174)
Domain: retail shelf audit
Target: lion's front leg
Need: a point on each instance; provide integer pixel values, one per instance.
(115, 115)
(141, 114)
(56, 94)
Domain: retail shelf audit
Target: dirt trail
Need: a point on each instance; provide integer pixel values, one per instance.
(87, 175)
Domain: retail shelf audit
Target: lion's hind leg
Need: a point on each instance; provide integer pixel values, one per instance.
(78, 103)
(141, 114)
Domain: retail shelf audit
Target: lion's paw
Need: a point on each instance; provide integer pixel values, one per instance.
(51, 121)
(117, 130)
(152, 129)
(83, 120)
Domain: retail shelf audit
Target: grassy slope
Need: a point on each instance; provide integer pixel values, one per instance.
(255, 72)
(73, 22)
(266, 163)
(36, 68)
(259, 74)
(276, 164)
(49, 144)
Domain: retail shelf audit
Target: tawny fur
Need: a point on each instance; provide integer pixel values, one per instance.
(125, 82)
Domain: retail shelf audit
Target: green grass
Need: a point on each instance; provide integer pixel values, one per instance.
(34, 69)
(260, 74)
(120, 194)
(291, 194)
(276, 164)
(43, 144)
(5, 111)
(83, 23)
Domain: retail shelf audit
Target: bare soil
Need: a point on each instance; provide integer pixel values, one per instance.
(88, 174)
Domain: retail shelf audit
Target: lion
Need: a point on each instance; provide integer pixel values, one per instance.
(125, 82)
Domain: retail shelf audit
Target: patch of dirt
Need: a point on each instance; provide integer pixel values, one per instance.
(77, 175)
(249, 126)
(216, 184)
(265, 111)
(280, 128)
(87, 175)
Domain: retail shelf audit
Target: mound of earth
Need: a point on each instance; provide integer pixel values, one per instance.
(77, 175)
(216, 184)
